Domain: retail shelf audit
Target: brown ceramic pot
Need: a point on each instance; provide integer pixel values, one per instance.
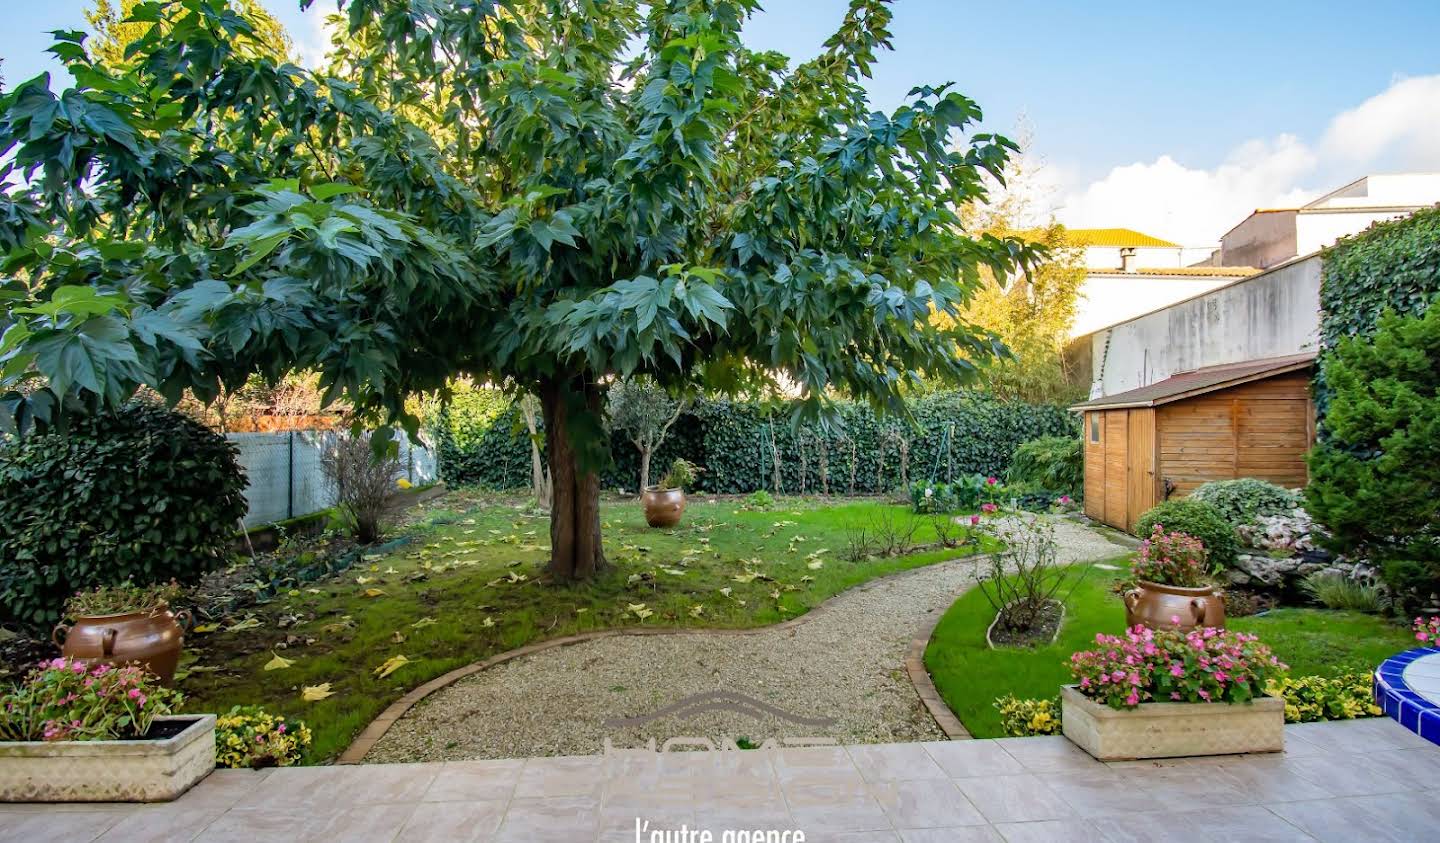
(1156, 605)
(151, 638)
(663, 507)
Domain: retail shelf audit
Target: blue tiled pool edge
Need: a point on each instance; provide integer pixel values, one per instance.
(1403, 705)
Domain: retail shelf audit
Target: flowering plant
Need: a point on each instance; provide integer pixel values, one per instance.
(1309, 698)
(120, 599)
(1176, 559)
(1427, 631)
(1202, 665)
(1024, 718)
(250, 737)
(67, 700)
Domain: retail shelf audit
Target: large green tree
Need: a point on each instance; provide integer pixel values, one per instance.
(548, 193)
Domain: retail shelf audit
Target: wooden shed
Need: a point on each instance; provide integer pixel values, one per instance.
(1252, 419)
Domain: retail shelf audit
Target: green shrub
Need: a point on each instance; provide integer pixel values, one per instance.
(1310, 698)
(1373, 481)
(1056, 463)
(760, 501)
(144, 495)
(1242, 501)
(1198, 519)
(965, 494)
(1026, 718)
(1337, 591)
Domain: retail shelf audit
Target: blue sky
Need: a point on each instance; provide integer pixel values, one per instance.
(1131, 106)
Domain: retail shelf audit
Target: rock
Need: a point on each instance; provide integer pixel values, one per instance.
(1285, 573)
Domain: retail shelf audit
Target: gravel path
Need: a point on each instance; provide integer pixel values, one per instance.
(845, 665)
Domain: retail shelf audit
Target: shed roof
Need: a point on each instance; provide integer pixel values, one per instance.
(1199, 381)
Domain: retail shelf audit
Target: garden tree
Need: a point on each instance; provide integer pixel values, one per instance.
(537, 192)
(643, 411)
(1373, 479)
(530, 410)
(113, 33)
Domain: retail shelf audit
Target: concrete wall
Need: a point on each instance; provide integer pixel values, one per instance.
(1262, 240)
(1107, 298)
(1273, 314)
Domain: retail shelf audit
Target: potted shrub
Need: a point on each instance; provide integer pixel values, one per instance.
(80, 732)
(1025, 584)
(1166, 693)
(665, 503)
(1173, 586)
(124, 624)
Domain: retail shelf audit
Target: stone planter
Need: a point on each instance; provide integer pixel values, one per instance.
(663, 507)
(1172, 729)
(109, 771)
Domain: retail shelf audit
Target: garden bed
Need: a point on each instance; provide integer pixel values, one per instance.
(970, 676)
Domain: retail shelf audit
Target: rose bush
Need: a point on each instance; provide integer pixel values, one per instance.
(67, 700)
(1202, 665)
(1173, 558)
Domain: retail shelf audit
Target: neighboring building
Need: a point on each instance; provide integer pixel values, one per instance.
(1129, 273)
(1252, 419)
(1272, 236)
(1125, 248)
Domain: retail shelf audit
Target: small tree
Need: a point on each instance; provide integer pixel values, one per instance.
(1373, 477)
(644, 412)
(363, 478)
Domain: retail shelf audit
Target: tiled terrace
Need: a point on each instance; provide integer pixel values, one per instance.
(1358, 780)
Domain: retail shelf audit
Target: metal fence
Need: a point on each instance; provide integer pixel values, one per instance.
(285, 478)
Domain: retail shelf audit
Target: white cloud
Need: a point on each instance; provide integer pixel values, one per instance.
(314, 36)
(1395, 130)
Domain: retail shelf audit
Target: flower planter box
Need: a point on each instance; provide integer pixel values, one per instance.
(156, 770)
(1169, 729)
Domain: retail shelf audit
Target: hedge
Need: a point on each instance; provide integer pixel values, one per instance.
(1392, 265)
(483, 442)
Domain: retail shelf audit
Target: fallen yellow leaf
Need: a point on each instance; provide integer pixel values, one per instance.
(391, 665)
(315, 693)
(374, 592)
(278, 663)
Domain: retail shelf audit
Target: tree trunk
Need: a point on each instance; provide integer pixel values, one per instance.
(644, 468)
(538, 481)
(575, 549)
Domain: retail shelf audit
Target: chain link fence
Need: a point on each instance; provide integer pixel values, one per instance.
(285, 477)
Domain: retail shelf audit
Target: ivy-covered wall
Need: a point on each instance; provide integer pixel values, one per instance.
(483, 441)
(1392, 265)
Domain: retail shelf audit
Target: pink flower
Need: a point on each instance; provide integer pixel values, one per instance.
(1175, 619)
(991, 481)
(974, 519)
(988, 507)
(1065, 499)
(1133, 699)
(1176, 669)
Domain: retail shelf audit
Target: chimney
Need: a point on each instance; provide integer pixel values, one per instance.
(1127, 259)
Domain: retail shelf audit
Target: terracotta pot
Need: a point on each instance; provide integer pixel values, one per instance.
(1154, 605)
(151, 638)
(663, 507)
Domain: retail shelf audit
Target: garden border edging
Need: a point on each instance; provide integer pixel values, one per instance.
(914, 665)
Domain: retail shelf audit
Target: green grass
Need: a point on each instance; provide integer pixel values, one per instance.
(473, 582)
(970, 676)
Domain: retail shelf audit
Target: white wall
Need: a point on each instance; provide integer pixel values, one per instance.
(1314, 231)
(1106, 298)
(1274, 314)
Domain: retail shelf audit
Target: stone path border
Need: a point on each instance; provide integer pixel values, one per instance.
(914, 664)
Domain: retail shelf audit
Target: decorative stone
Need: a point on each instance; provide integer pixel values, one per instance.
(109, 771)
(1172, 729)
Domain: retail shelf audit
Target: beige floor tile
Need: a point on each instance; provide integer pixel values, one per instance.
(361, 823)
(20, 827)
(168, 823)
(925, 803)
(1048, 754)
(1049, 831)
(1013, 799)
(550, 818)
(894, 762)
(955, 834)
(460, 822)
(754, 810)
(820, 808)
(961, 759)
(577, 775)
(1244, 822)
(370, 784)
(1350, 775)
(474, 781)
(1391, 818)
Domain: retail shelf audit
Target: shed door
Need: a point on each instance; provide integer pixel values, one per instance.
(1095, 465)
(1117, 473)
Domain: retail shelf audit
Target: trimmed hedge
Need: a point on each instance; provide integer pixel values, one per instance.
(483, 442)
(144, 495)
(1392, 265)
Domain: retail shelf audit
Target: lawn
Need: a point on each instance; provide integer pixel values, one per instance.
(970, 676)
(469, 584)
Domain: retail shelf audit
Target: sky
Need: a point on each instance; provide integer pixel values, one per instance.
(1176, 119)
